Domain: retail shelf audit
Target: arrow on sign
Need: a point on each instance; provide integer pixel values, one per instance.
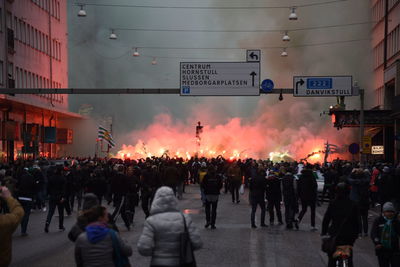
(301, 82)
(252, 55)
(252, 76)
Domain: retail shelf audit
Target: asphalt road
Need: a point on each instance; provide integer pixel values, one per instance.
(233, 243)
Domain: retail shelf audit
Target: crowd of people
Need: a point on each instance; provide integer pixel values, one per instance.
(157, 184)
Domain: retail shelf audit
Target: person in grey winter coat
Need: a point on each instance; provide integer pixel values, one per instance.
(160, 238)
(94, 247)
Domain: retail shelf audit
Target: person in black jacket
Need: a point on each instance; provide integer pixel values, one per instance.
(56, 188)
(26, 192)
(290, 199)
(274, 197)
(385, 234)
(307, 191)
(211, 184)
(341, 221)
(257, 186)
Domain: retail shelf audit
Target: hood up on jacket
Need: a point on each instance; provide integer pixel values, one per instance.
(164, 201)
(96, 232)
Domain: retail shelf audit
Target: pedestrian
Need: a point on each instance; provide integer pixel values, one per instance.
(160, 238)
(99, 244)
(307, 192)
(290, 199)
(211, 185)
(8, 224)
(56, 188)
(234, 174)
(385, 234)
(26, 193)
(274, 197)
(257, 187)
(341, 222)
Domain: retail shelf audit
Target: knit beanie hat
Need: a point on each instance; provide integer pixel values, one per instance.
(89, 201)
(388, 206)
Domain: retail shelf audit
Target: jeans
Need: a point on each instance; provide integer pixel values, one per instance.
(254, 203)
(304, 205)
(211, 211)
(289, 214)
(27, 205)
(235, 191)
(277, 205)
(52, 208)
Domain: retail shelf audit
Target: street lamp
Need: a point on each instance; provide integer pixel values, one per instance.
(113, 35)
(293, 15)
(136, 53)
(82, 12)
(286, 37)
(154, 61)
(284, 53)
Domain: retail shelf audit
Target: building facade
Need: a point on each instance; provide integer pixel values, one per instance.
(386, 60)
(34, 54)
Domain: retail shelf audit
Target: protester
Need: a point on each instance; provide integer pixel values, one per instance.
(290, 199)
(97, 246)
(56, 190)
(160, 238)
(8, 224)
(342, 222)
(385, 234)
(211, 185)
(307, 192)
(257, 187)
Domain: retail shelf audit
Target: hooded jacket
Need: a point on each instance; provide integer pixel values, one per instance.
(161, 232)
(94, 247)
(8, 223)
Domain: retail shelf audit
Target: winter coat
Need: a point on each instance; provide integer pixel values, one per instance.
(161, 232)
(376, 233)
(26, 186)
(235, 174)
(341, 220)
(56, 187)
(359, 186)
(171, 176)
(8, 224)
(274, 192)
(211, 184)
(288, 189)
(258, 186)
(307, 186)
(94, 248)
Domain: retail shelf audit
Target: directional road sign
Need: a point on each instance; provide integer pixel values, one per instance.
(253, 55)
(220, 78)
(323, 86)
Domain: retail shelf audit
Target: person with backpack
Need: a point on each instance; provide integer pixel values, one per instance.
(385, 234)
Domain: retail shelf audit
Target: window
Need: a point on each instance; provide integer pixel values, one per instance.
(1, 19)
(21, 78)
(1, 73)
(53, 4)
(394, 42)
(15, 27)
(10, 71)
(25, 79)
(36, 36)
(23, 32)
(58, 10)
(9, 20)
(28, 34)
(32, 34)
(16, 77)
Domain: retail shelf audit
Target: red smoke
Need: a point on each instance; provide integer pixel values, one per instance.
(292, 128)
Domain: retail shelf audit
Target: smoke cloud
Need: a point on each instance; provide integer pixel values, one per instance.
(255, 125)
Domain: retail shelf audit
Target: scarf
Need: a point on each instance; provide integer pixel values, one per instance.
(387, 232)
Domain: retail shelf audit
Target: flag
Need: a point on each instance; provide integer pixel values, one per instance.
(104, 134)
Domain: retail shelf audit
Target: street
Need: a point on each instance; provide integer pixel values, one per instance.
(233, 243)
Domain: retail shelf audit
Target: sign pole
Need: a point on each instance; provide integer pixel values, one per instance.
(362, 156)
